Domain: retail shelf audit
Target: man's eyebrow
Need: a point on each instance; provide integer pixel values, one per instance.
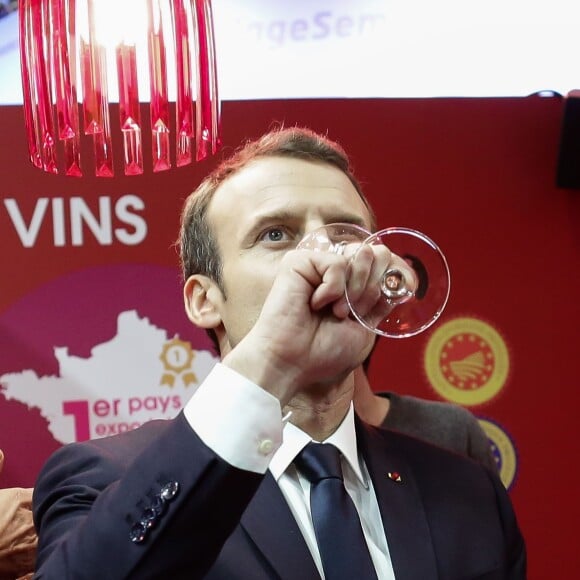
(355, 219)
(261, 221)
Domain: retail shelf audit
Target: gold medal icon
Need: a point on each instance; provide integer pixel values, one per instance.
(177, 357)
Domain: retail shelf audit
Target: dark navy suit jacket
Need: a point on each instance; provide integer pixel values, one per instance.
(100, 514)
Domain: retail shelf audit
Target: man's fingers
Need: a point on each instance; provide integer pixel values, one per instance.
(328, 278)
(364, 284)
(332, 287)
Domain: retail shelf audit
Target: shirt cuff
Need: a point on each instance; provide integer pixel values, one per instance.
(236, 418)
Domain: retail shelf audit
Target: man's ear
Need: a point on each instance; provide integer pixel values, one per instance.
(202, 298)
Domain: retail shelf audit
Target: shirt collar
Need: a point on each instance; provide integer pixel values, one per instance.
(294, 440)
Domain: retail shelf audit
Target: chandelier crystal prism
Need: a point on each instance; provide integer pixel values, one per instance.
(120, 50)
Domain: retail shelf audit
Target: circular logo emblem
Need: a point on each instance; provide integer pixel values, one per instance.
(503, 451)
(466, 361)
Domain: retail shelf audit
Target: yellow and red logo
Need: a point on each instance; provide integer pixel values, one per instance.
(466, 361)
(503, 451)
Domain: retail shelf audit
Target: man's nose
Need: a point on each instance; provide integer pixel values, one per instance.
(313, 224)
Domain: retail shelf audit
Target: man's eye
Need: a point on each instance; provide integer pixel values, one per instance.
(274, 235)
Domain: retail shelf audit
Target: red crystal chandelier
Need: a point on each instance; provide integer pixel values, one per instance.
(120, 50)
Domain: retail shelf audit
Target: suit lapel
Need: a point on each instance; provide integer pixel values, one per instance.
(271, 525)
(402, 512)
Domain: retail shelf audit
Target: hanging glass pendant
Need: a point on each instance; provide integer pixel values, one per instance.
(122, 50)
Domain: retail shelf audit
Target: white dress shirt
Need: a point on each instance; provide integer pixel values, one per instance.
(243, 424)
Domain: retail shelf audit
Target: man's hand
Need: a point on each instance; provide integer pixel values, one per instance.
(305, 335)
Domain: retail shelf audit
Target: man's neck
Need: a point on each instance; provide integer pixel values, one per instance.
(320, 410)
(369, 407)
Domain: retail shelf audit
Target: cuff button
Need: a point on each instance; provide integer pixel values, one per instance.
(169, 490)
(158, 505)
(138, 533)
(149, 518)
(266, 446)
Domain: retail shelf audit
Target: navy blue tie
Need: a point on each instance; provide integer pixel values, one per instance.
(342, 545)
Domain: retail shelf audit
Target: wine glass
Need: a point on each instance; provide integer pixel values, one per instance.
(414, 287)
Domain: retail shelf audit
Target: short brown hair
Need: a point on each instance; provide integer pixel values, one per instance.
(198, 248)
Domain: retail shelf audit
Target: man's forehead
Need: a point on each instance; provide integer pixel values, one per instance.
(269, 178)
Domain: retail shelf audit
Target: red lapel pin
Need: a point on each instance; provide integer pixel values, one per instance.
(395, 476)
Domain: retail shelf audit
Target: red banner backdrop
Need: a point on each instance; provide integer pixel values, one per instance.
(94, 341)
